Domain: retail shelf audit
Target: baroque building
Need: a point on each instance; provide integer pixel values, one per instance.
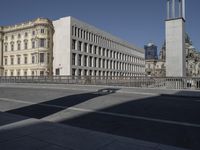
(26, 49)
(157, 67)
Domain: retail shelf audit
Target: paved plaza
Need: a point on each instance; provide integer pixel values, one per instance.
(72, 117)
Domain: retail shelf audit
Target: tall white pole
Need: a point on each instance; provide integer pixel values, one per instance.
(168, 9)
(183, 9)
(180, 8)
(173, 9)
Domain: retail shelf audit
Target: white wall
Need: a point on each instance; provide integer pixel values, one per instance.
(62, 46)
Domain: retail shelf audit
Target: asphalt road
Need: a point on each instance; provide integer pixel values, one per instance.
(169, 120)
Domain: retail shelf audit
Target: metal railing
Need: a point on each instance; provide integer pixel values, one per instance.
(142, 82)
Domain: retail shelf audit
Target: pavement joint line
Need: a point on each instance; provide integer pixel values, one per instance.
(109, 113)
(136, 117)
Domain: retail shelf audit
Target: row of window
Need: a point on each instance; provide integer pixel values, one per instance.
(85, 72)
(42, 31)
(97, 38)
(42, 44)
(18, 59)
(22, 73)
(93, 49)
(89, 61)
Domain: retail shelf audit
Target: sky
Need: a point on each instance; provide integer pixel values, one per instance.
(136, 21)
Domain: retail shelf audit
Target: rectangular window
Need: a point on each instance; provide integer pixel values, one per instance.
(18, 60)
(85, 47)
(79, 45)
(95, 49)
(72, 30)
(90, 48)
(114, 55)
(12, 61)
(32, 73)
(48, 58)
(41, 73)
(99, 51)
(57, 71)
(85, 72)
(33, 59)
(5, 73)
(79, 60)
(42, 30)
(12, 47)
(33, 44)
(41, 57)
(33, 33)
(90, 61)
(25, 45)
(6, 48)
(104, 50)
(95, 62)
(6, 61)
(18, 72)
(42, 42)
(11, 73)
(73, 72)
(79, 72)
(73, 59)
(73, 44)
(48, 44)
(99, 62)
(25, 60)
(85, 60)
(18, 46)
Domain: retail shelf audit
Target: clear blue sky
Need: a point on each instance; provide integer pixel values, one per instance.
(136, 21)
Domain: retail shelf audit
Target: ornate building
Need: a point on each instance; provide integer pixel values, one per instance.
(157, 67)
(27, 49)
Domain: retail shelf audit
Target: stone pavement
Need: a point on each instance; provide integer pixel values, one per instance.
(78, 117)
(23, 133)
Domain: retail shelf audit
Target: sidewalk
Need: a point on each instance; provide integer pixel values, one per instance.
(22, 133)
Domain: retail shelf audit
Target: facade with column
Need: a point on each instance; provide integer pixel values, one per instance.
(81, 49)
(26, 49)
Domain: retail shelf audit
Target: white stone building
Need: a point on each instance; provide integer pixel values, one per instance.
(26, 49)
(81, 49)
(66, 47)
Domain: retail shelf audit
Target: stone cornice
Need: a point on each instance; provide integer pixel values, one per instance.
(27, 25)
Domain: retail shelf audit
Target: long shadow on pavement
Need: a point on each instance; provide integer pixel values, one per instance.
(47, 108)
(122, 119)
(182, 130)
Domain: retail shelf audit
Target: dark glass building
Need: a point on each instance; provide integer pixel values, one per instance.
(150, 51)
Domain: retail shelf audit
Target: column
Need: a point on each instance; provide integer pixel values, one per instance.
(183, 9)
(173, 9)
(180, 8)
(168, 9)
